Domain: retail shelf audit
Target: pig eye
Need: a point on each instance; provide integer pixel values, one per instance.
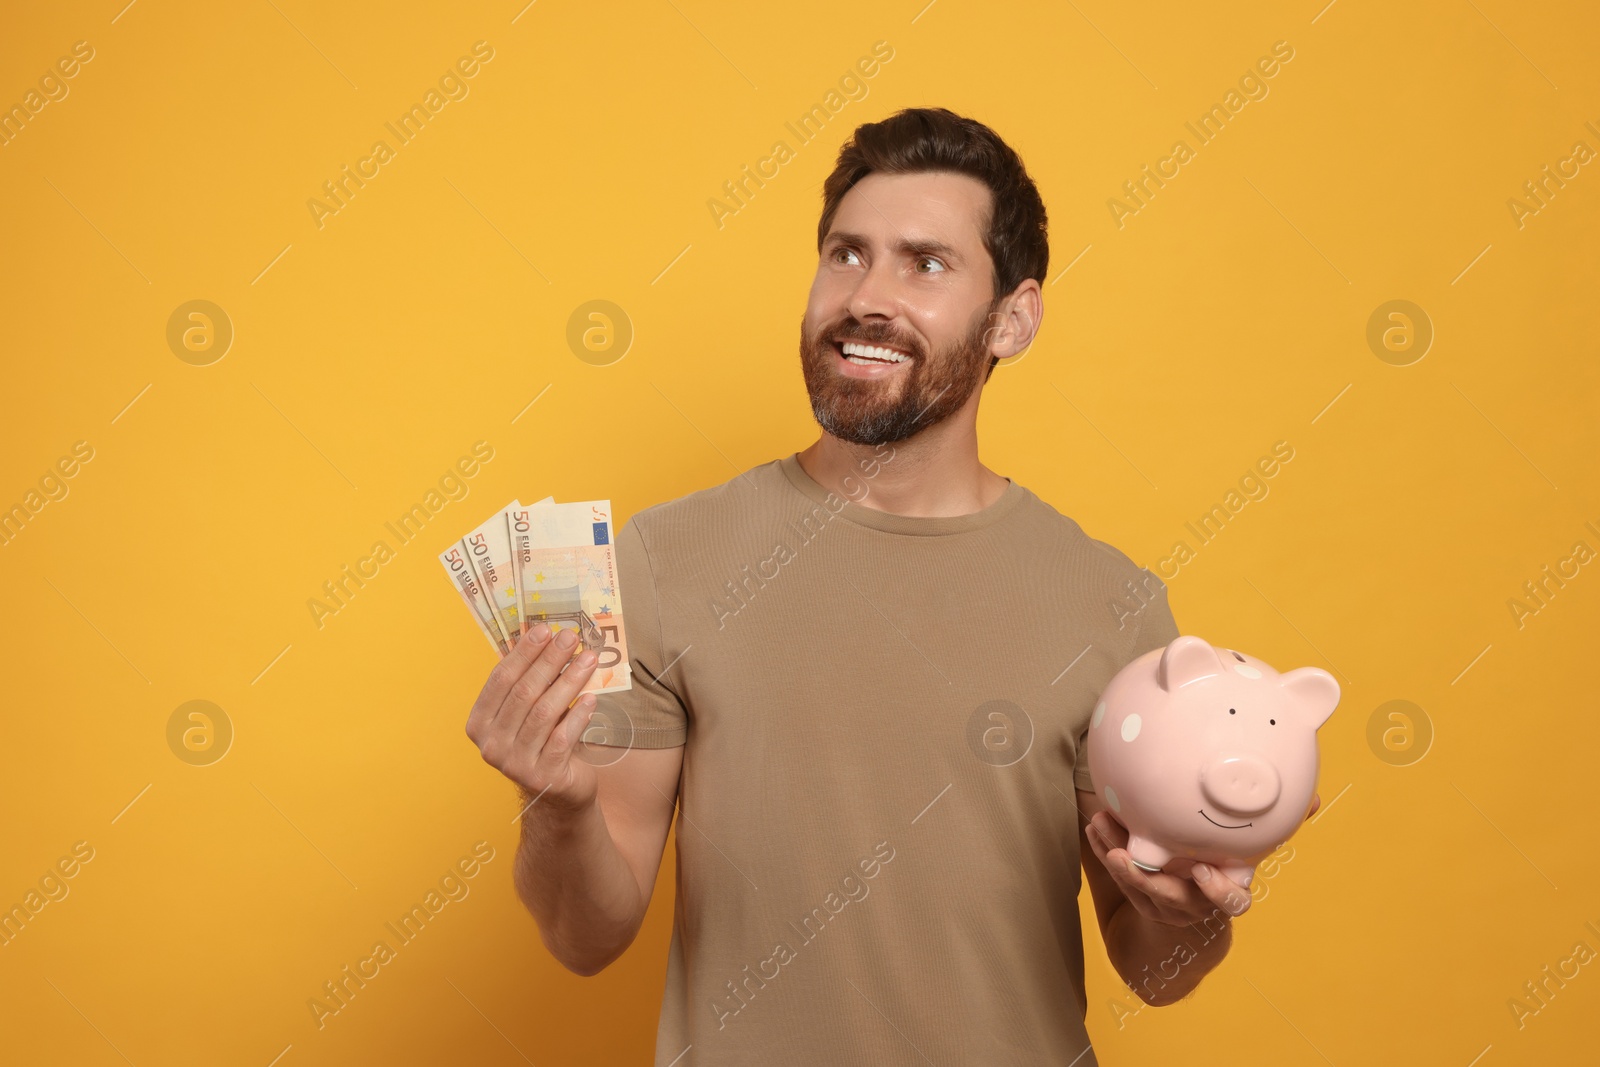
(1272, 722)
(1230, 711)
(1237, 656)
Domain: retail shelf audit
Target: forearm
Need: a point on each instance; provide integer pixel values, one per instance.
(576, 884)
(1163, 963)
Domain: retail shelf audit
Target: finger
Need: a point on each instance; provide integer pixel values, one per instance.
(1220, 890)
(1161, 890)
(1134, 883)
(1173, 899)
(1168, 898)
(1111, 840)
(549, 709)
(524, 697)
(1113, 833)
(547, 660)
(1115, 837)
(505, 674)
(557, 751)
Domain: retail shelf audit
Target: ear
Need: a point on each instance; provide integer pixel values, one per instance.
(1313, 691)
(1186, 660)
(1012, 326)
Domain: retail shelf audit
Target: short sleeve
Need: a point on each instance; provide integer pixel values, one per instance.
(649, 715)
(1156, 629)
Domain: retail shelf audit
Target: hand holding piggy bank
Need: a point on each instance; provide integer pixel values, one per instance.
(1207, 755)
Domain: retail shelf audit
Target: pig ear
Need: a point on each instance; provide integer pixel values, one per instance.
(1187, 659)
(1314, 693)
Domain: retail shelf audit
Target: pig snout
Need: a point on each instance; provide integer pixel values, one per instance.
(1240, 785)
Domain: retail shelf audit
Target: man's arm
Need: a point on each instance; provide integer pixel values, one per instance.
(587, 876)
(1162, 933)
(592, 837)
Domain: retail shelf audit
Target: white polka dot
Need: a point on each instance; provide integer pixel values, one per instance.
(1099, 713)
(1130, 727)
(1247, 670)
(1111, 799)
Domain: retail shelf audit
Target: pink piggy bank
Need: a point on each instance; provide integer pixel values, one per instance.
(1206, 754)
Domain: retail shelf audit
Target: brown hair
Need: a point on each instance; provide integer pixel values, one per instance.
(919, 139)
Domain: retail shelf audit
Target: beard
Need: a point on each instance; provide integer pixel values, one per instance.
(865, 411)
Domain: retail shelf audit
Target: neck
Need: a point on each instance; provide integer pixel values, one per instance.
(934, 473)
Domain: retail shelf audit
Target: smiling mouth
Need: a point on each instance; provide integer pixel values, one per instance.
(866, 355)
(1214, 822)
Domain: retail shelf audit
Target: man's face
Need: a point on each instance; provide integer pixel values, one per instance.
(903, 267)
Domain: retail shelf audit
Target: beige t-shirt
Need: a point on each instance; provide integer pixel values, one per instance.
(877, 836)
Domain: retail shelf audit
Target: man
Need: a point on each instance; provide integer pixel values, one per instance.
(863, 673)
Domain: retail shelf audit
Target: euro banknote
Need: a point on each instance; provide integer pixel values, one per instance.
(488, 550)
(551, 563)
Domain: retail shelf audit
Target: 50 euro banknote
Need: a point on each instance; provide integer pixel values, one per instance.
(550, 563)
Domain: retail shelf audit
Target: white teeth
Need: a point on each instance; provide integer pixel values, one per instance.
(871, 354)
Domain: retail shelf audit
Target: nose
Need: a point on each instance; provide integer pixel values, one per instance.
(1240, 785)
(874, 295)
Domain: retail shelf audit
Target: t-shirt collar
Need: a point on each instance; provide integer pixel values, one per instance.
(916, 525)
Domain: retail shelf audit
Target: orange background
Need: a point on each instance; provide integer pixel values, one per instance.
(369, 353)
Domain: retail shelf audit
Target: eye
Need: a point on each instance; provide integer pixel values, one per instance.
(930, 259)
(1272, 722)
(838, 251)
(1230, 711)
(1237, 656)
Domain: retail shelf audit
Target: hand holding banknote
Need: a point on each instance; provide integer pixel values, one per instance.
(546, 563)
(541, 583)
(522, 724)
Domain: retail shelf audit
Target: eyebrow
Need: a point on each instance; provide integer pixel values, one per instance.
(922, 246)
